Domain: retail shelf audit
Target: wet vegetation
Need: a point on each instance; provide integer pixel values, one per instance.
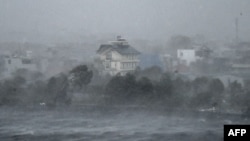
(192, 75)
(32, 89)
(166, 89)
(175, 91)
(130, 107)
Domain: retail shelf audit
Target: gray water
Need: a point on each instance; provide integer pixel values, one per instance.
(109, 124)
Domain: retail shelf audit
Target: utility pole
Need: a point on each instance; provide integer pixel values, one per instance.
(237, 30)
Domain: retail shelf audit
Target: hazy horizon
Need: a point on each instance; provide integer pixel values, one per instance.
(69, 21)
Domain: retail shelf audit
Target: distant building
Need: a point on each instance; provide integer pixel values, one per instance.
(13, 63)
(168, 62)
(118, 57)
(240, 68)
(186, 56)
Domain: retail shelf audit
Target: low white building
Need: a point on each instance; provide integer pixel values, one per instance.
(186, 56)
(118, 57)
(13, 63)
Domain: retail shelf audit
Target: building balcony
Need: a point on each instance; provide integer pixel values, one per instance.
(127, 69)
(127, 60)
(121, 60)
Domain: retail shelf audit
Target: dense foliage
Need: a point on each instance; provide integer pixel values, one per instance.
(81, 76)
(30, 88)
(170, 90)
(174, 90)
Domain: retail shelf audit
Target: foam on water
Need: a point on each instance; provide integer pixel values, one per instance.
(111, 125)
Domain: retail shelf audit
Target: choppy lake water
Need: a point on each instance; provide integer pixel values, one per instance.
(110, 124)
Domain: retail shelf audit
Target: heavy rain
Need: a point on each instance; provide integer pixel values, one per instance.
(123, 70)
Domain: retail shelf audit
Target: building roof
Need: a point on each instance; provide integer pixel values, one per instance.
(120, 48)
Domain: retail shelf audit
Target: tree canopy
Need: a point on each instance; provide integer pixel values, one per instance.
(80, 76)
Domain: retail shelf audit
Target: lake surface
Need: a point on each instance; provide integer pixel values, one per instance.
(97, 123)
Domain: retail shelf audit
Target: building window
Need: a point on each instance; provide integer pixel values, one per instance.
(107, 65)
(124, 65)
(121, 66)
(109, 56)
(181, 54)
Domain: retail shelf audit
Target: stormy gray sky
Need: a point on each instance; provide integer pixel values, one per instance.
(42, 20)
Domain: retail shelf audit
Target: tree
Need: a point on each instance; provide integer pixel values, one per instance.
(122, 86)
(235, 88)
(11, 91)
(2, 65)
(201, 95)
(236, 94)
(164, 88)
(80, 76)
(216, 86)
(181, 91)
(57, 91)
(216, 90)
(145, 86)
(247, 85)
(130, 85)
(36, 92)
(115, 86)
(208, 92)
(200, 85)
(153, 73)
(124, 89)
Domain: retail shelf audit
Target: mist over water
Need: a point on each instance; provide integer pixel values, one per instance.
(190, 69)
(111, 123)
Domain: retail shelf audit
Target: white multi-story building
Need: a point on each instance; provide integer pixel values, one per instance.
(118, 57)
